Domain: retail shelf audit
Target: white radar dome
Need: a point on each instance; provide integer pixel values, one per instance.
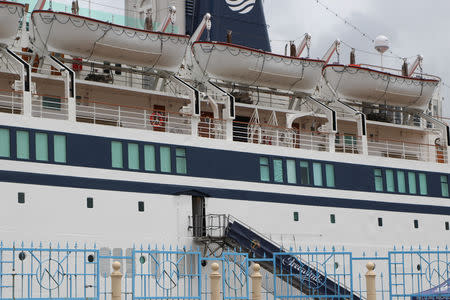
(381, 44)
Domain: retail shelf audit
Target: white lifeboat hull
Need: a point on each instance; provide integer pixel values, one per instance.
(93, 39)
(248, 66)
(368, 85)
(10, 15)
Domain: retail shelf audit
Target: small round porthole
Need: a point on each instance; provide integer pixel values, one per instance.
(336, 265)
(22, 256)
(419, 267)
(142, 260)
(204, 263)
(90, 258)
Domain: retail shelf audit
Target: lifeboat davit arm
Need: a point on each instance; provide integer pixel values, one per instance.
(417, 63)
(305, 43)
(205, 24)
(170, 19)
(39, 5)
(335, 47)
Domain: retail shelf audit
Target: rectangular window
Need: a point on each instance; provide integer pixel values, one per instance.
(390, 185)
(133, 156)
(116, 155)
(447, 226)
(416, 223)
(181, 160)
(423, 184)
(264, 169)
(412, 183)
(304, 173)
(90, 202)
(332, 219)
(444, 185)
(378, 180)
(296, 216)
(291, 171)
(41, 146)
(5, 143)
(317, 174)
(59, 148)
(278, 170)
(380, 222)
(401, 183)
(164, 155)
(140, 206)
(21, 198)
(23, 145)
(149, 158)
(329, 173)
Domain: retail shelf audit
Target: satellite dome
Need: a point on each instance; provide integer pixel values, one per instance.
(381, 44)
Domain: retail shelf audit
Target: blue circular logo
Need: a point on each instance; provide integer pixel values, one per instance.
(241, 6)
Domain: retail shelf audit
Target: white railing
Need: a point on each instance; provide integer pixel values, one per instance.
(133, 117)
(411, 151)
(348, 144)
(10, 102)
(50, 108)
(212, 128)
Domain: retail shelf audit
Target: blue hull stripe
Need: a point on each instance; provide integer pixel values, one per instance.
(168, 189)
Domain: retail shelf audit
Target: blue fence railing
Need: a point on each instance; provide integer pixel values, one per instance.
(79, 272)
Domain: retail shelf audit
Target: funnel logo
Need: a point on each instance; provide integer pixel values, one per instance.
(241, 6)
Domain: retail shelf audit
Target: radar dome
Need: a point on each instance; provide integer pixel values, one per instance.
(381, 44)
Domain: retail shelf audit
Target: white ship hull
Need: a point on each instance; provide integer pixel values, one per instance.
(235, 63)
(93, 39)
(356, 83)
(10, 15)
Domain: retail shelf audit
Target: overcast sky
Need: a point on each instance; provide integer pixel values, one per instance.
(412, 26)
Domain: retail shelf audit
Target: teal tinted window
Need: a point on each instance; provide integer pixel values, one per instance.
(59, 148)
(133, 156)
(329, 173)
(278, 170)
(317, 174)
(390, 185)
(332, 218)
(4, 143)
(23, 144)
(444, 185)
(412, 183)
(181, 160)
(116, 155)
(423, 184)
(296, 218)
(378, 180)
(264, 169)
(291, 171)
(164, 155)
(304, 173)
(149, 158)
(41, 146)
(401, 182)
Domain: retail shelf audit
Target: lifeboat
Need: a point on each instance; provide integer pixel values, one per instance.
(89, 38)
(10, 15)
(362, 84)
(234, 63)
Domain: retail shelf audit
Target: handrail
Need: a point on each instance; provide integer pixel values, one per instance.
(399, 70)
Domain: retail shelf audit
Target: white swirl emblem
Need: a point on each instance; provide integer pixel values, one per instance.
(241, 6)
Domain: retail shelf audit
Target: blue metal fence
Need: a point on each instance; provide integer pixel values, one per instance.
(38, 272)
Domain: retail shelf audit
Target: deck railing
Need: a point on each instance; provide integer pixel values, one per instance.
(10, 102)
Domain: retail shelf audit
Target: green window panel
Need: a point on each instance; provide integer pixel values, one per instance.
(23, 144)
(304, 173)
(329, 173)
(332, 218)
(116, 155)
(378, 180)
(133, 156)
(278, 170)
(423, 188)
(180, 154)
(149, 158)
(59, 148)
(264, 169)
(291, 171)
(296, 218)
(51, 102)
(401, 182)
(166, 164)
(444, 185)
(412, 183)
(317, 174)
(41, 146)
(390, 184)
(5, 144)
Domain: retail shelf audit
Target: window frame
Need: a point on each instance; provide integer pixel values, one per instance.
(181, 161)
(264, 165)
(277, 164)
(378, 180)
(444, 186)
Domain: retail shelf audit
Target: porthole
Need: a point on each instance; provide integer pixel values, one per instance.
(90, 258)
(142, 259)
(22, 256)
(419, 267)
(336, 265)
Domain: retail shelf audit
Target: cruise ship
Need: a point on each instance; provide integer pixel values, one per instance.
(177, 125)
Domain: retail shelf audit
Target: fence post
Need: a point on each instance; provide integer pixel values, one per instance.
(215, 282)
(116, 282)
(256, 282)
(370, 281)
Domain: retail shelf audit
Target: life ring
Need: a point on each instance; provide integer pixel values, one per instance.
(157, 119)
